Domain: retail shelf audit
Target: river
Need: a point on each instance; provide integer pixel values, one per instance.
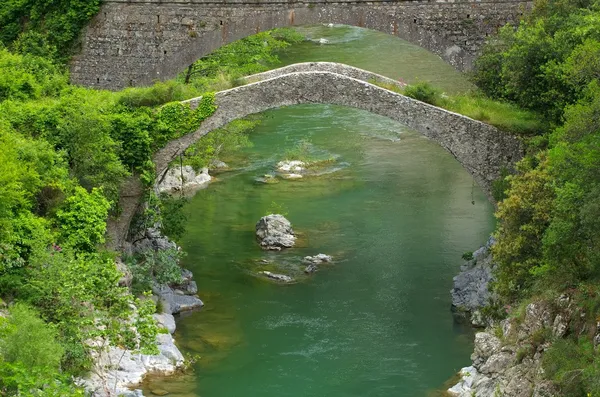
(393, 208)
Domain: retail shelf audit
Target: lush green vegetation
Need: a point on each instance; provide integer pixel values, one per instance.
(44, 27)
(499, 113)
(65, 152)
(549, 228)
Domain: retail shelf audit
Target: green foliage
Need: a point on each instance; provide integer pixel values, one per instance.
(80, 292)
(48, 25)
(29, 77)
(219, 143)
(467, 256)
(161, 266)
(83, 219)
(574, 366)
(501, 185)
(547, 61)
(28, 340)
(424, 92)
(157, 94)
(223, 68)
(17, 379)
(173, 217)
(501, 114)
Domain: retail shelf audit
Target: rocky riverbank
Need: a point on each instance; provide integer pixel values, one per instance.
(116, 371)
(508, 355)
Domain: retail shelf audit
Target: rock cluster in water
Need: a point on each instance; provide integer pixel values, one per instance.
(183, 178)
(313, 262)
(275, 232)
(291, 169)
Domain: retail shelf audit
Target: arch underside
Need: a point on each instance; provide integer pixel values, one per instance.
(135, 42)
(480, 148)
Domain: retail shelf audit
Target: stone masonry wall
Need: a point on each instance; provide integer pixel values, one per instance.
(482, 149)
(135, 42)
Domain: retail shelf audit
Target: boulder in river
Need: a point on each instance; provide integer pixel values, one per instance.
(274, 232)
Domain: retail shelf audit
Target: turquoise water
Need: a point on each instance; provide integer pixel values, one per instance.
(394, 210)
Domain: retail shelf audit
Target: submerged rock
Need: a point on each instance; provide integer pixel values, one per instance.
(274, 232)
(313, 262)
(311, 268)
(218, 165)
(183, 178)
(278, 277)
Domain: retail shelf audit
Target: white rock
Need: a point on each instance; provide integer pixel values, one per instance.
(323, 41)
(291, 166)
(181, 178)
(278, 277)
(116, 370)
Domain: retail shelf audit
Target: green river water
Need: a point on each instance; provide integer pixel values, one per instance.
(393, 208)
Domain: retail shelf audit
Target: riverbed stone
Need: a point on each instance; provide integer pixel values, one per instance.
(277, 277)
(275, 232)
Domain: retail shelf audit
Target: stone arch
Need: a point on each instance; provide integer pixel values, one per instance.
(135, 42)
(481, 149)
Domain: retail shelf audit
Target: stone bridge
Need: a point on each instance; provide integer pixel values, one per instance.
(482, 149)
(135, 42)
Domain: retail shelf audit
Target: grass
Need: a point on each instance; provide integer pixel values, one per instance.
(502, 115)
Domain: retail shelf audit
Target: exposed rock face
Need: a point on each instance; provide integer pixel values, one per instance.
(507, 359)
(166, 321)
(278, 277)
(116, 370)
(183, 178)
(470, 292)
(153, 239)
(274, 232)
(173, 302)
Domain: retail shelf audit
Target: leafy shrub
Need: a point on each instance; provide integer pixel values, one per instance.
(467, 255)
(82, 219)
(161, 266)
(27, 339)
(424, 92)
